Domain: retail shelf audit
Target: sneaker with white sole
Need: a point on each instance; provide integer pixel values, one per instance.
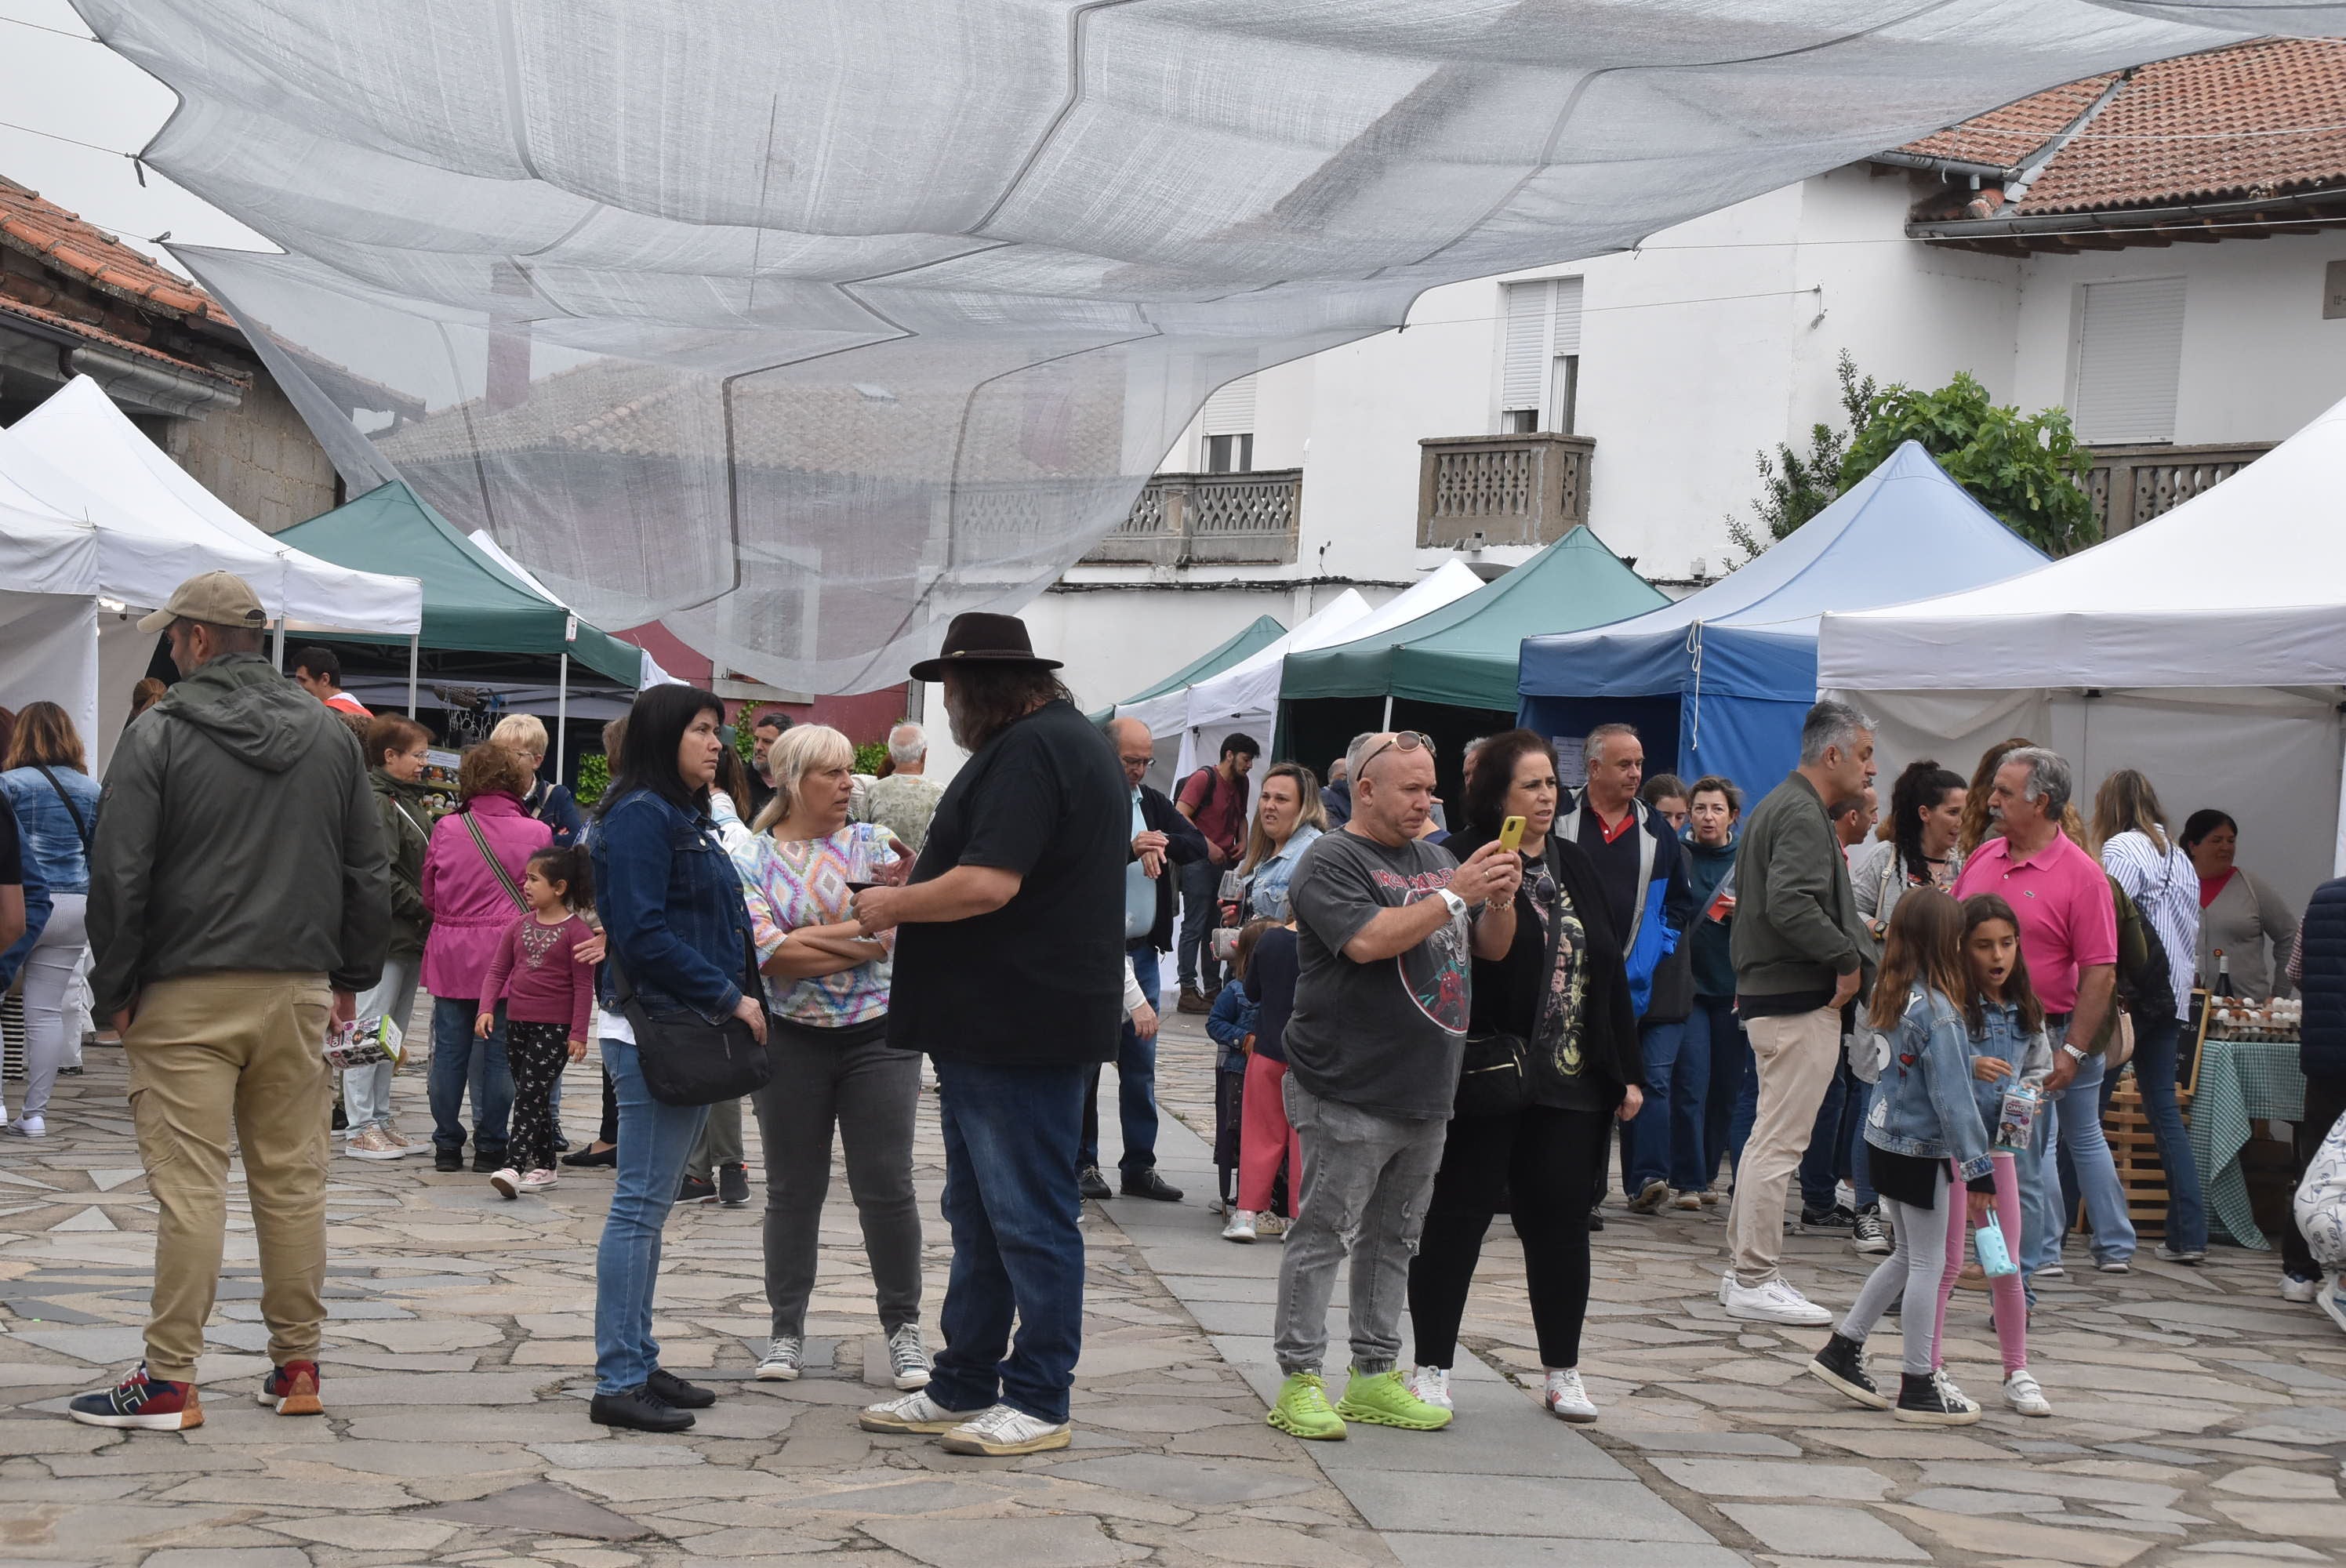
(2022, 1392)
(2052, 1271)
(27, 1127)
(1431, 1384)
(2303, 1291)
(508, 1181)
(2190, 1254)
(1240, 1227)
(1565, 1399)
(1650, 1197)
(1685, 1197)
(908, 1356)
(2114, 1266)
(369, 1143)
(2333, 1301)
(913, 1412)
(784, 1360)
(1935, 1400)
(1773, 1302)
(1726, 1284)
(999, 1431)
(540, 1179)
(1871, 1233)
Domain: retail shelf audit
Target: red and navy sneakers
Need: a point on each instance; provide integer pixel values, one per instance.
(141, 1402)
(292, 1390)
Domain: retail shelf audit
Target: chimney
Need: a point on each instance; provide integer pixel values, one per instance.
(509, 312)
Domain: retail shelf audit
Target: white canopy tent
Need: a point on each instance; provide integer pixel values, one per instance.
(49, 563)
(1168, 715)
(2206, 648)
(1245, 697)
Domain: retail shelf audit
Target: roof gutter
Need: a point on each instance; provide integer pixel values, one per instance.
(2125, 220)
(1946, 168)
(2027, 169)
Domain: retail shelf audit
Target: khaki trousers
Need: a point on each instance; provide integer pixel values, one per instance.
(1798, 1056)
(241, 1049)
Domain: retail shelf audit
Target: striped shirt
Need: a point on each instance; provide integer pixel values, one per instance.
(2166, 889)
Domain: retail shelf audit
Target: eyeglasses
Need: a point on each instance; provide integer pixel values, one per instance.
(1403, 740)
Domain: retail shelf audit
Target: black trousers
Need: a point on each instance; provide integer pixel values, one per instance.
(2325, 1102)
(1539, 1164)
(537, 1052)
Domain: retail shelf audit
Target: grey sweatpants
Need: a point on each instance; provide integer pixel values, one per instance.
(851, 1079)
(1367, 1180)
(1912, 1273)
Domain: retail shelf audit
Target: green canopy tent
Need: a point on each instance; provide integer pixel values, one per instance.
(1451, 674)
(1260, 634)
(471, 604)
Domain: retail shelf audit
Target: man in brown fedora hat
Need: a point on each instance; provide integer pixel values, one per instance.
(239, 897)
(1009, 974)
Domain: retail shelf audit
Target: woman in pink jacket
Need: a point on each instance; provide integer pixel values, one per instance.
(472, 870)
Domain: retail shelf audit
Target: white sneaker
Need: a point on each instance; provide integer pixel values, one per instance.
(1726, 1284)
(2333, 1301)
(1683, 1198)
(1773, 1302)
(1240, 1227)
(1565, 1398)
(916, 1413)
(508, 1181)
(369, 1144)
(908, 1358)
(2023, 1394)
(999, 1430)
(2293, 1289)
(2053, 1271)
(1432, 1385)
(784, 1360)
(539, 1180)
(35, 1128)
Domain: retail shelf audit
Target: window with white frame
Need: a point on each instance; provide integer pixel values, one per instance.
(2129, 360)
(1539, 356)
(1229, 421)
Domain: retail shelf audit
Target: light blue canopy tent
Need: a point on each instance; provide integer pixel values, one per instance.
(1718, 682)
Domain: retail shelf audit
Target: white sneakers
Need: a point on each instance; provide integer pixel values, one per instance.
(2023, 1394)
(785, 1359)
(1651, 1197)
(371, 1143)
(539, 1180)
(998, 1432)
(1565, 1398)
(2302, 1291)
(507, 1182)
(35, 1128)
(1432, 1385)
(908, 1358)
(1773, 1302)
(1239, 1226)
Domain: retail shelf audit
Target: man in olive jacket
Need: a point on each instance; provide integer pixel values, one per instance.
(1799, 953)
(239, 897)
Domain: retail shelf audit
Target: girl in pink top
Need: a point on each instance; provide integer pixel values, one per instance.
(549, 996)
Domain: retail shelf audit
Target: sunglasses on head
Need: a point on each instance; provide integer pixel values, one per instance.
(1403, 740)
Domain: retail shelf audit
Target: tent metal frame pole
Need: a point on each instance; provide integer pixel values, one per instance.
(414, 657)
(562, 719)
(279, 654)
(1386, 723)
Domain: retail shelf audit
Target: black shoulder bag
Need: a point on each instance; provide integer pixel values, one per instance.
(688, 1060)
(1495, 1072)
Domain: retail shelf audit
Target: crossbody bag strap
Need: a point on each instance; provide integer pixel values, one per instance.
(505, 877)
(79, 825)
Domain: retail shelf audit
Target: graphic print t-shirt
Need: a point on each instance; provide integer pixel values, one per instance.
(1383, 1036)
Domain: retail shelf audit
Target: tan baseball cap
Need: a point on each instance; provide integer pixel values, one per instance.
(215, 598)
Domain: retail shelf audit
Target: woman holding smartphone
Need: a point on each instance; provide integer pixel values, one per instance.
(1562, 990)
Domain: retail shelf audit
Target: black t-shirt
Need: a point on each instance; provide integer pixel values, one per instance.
(1271, 986)
(1616, 866)
(1040, 980)
(11, 853)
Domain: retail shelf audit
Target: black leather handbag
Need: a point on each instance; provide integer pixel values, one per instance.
(687, 1060)
(1493, 1077)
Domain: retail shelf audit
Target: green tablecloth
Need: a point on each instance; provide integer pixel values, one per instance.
(2241, 1082)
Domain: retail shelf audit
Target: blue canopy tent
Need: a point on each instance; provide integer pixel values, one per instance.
(1717, 682)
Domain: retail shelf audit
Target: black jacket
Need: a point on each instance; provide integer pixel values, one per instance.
(1184, 844)
(1507, 992)
(1336, 799)
(2322, 1034)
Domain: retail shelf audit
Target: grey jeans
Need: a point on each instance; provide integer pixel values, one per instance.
(851, 1079)
(366, 1091)
(720, 1143)
(1367, 1179)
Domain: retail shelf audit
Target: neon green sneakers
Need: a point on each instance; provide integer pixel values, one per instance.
(1382, 1399)
(1302, 1409)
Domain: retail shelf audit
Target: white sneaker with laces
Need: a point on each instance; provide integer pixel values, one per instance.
(539, 1180)
(1684, 1197)
(784, 1360)
(1431, 1384)
(37, 1127)
(1773, 1302)
(1956, 1399)
(2303, 1291)
(913, 1412)
(2023, 1394)
(1726, 1284)
(508, 1181)
(999, 1430)
(369, 1144)
(908, 1356)
(1565, 1398)
(1239, 1226)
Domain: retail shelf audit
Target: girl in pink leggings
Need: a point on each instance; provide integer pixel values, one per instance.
(2008, 1042)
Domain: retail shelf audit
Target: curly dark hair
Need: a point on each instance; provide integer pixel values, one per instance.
(567, 864)
(986, 700)
(1495, 775)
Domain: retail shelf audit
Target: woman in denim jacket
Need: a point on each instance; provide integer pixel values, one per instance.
(56, 803)
(673, 916)
(1925, 1132)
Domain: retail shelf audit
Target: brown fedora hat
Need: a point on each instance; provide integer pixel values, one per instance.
(977, 638)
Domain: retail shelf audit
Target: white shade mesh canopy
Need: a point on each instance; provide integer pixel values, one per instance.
(804, 326)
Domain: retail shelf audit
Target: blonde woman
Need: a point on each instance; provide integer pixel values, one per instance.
(1289, 815)
(523, 734)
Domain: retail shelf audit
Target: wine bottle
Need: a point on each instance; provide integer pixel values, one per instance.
(2223, 975)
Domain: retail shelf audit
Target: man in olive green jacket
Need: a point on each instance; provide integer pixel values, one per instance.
(1799, 953)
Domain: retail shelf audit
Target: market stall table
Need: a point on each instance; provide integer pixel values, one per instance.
(2240, 1082)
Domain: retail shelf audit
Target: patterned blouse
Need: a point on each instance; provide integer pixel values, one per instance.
(803, 883)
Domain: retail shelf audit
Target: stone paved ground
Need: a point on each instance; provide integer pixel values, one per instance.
(2201, 1420)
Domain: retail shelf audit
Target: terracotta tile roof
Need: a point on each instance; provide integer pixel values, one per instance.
(41, 227)
(84, 329)
(2255, 119)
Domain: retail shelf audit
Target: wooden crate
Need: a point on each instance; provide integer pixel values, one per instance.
(2136, 1154)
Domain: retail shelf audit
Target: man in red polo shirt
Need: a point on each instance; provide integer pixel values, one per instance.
(1215, 799)
(2069, 936)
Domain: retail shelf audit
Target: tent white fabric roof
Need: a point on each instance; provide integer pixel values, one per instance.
(653, 675)
(1167, 713)
(79, 434)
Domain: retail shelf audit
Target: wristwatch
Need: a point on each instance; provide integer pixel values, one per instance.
(2072, 1051)
(1458, 906)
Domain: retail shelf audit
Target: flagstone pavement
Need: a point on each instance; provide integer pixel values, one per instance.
(2201, 1422)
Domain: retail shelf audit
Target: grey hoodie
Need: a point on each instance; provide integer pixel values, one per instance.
(236, 831)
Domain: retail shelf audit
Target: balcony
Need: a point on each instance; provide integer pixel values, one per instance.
(1208, 520)
(1529, 489)
(2133, 485)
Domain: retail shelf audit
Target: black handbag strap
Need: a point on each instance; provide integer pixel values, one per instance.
(79, 825)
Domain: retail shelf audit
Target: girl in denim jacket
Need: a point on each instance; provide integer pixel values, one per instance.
(1926, 1134)
(2008, 1043)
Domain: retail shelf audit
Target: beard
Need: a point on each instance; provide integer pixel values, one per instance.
(957, 719)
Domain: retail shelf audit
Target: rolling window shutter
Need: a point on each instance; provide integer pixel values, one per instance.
(1568, 317)
(1523, 369)
(2130, 359)
(1230, 410)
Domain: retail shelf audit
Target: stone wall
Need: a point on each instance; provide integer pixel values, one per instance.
(259, 457)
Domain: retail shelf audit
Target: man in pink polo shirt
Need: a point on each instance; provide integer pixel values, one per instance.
(2068, 935)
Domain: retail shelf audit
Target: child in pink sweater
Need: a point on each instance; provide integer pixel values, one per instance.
(549, 996)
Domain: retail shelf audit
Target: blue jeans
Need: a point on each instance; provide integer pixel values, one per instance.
(462, 1061)
(1664, 1141)
(1136, 1078)
(2155, 1051)
(1729, 1056)
(1836, 1143)
(2084, 1166)
(655, 1140)
(1010, 1200)
(1201, 887)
